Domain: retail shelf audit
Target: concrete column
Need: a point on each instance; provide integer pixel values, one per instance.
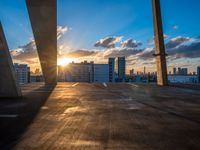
(43, 19)
(8, 83)
(159, 45)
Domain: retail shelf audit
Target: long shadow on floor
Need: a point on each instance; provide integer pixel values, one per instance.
(17, 114)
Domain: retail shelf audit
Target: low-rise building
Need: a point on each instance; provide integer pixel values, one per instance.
(182, 79)
(76, 72)
(36, 78)
(101, 73)
(22, 73)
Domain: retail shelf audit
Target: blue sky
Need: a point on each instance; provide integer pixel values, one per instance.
(88, 21)
(92, 20)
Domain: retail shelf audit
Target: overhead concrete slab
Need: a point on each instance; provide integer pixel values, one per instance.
(8, 83)
(159, 45)
(43, 19)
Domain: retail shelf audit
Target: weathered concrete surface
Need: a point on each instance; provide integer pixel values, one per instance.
(159, 45)
(78, 116)
(8, 83)
(42, 15)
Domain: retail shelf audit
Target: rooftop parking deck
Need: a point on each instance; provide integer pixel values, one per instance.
(101, 116)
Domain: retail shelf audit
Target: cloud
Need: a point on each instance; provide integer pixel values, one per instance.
(79, 53)
(177, 41)
(175, 27)
(146, 53)
(25, 52)
(28, 52)
(61, 31)
(176, 48)
(151, 40)
(166, 36)
(108, 42)
(120, 52)
(186, 51)
(130, 43)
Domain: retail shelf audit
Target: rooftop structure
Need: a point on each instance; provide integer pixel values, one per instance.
(94, 116)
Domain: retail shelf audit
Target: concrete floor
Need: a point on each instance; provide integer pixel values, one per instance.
(79, 116)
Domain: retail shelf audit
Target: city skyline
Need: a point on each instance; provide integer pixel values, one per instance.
(81, 36)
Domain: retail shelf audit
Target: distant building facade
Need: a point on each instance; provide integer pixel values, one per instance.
(101, 73)
(22, 73)
(180, 71)
(198, 74)
(132, 72)
(79, 72)
(111, 63)
(190, 79)
(36, 78)
(120, 68)
(76, 72)
(90, 72)
(174, 71)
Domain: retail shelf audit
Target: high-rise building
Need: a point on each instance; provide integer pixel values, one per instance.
(111, 63)
(121, 68)
(101, 73)
(198, 74)
(174, 71)
(179, 71)
(22, 73)
(144, 72)
(184, 71)
(132, 72)
(29, 75)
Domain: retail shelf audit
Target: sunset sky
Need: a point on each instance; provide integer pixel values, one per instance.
(95, 30)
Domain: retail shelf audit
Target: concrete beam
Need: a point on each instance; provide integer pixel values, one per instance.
(8, 83)
(159, 45)
(43, 19)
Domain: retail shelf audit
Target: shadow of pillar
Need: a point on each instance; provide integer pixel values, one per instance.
(26, 108)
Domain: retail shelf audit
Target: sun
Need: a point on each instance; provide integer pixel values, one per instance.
(64, 61)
